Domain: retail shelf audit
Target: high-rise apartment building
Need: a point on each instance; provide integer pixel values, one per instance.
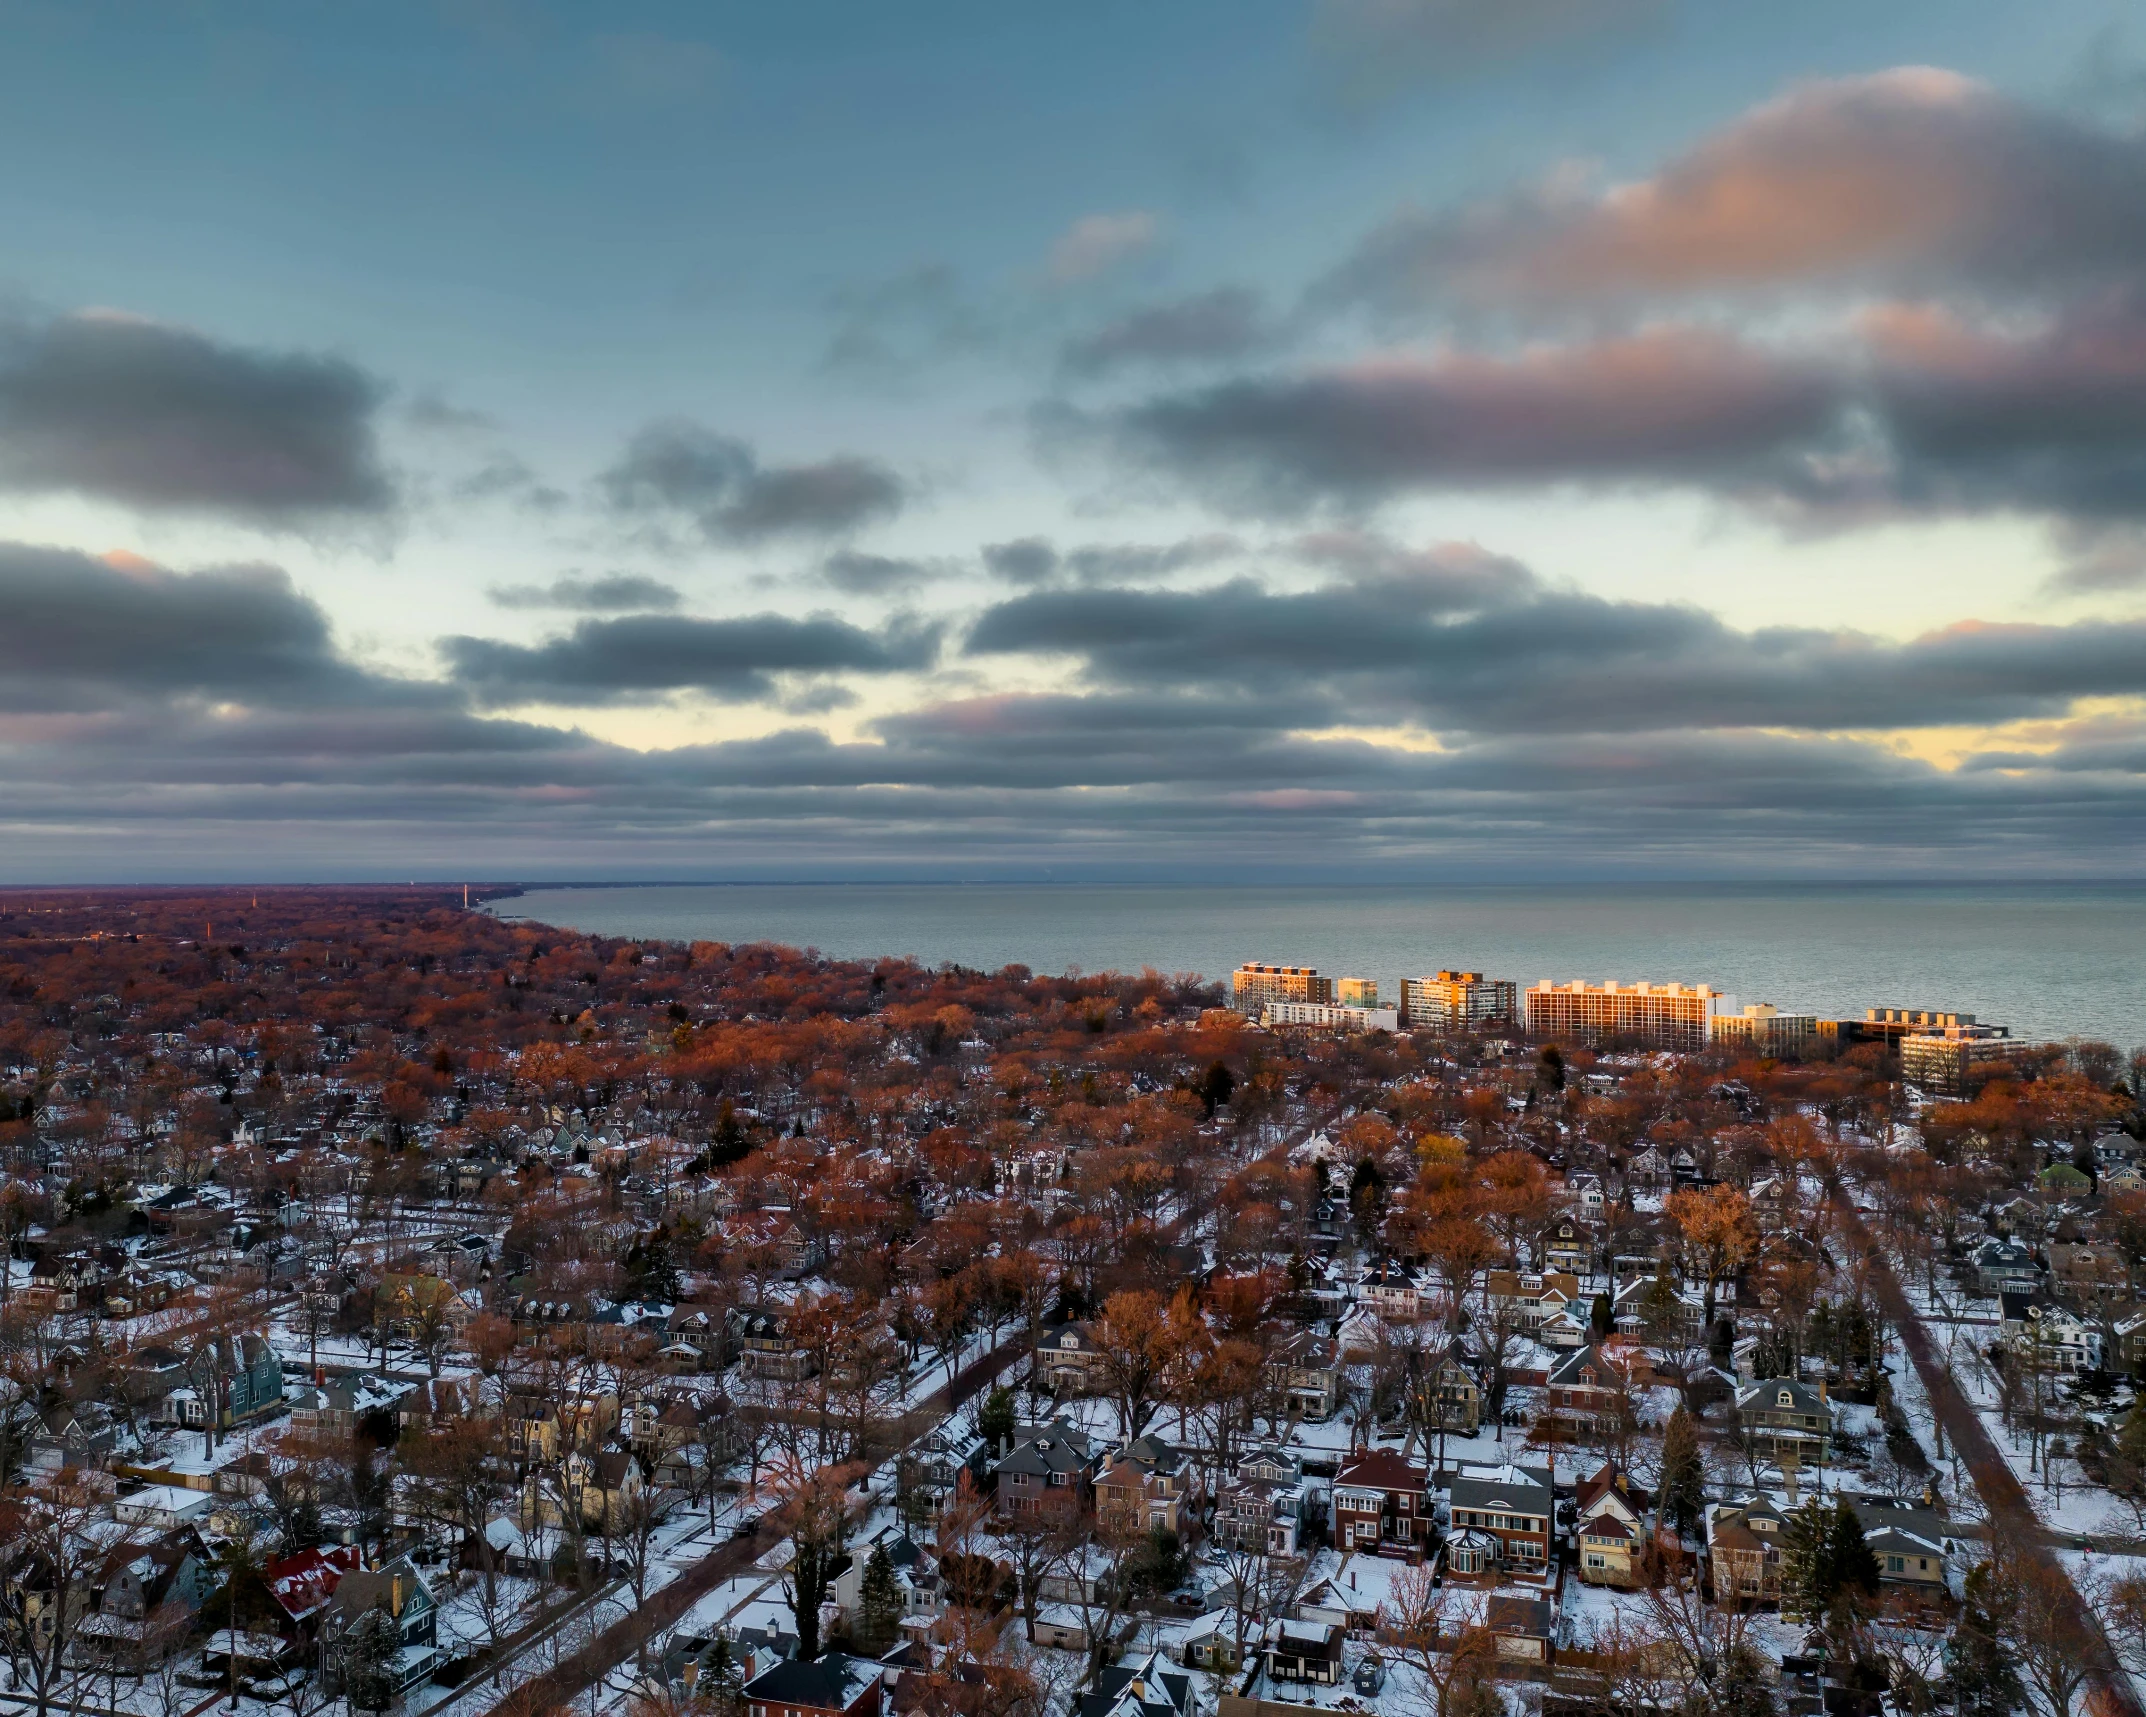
(1357, 992)
(1252, 986)
(1335, 1016)
(1448, 1000)
(1672, 1016)
(1765, 1028)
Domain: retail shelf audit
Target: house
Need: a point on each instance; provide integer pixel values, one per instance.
(1587, 1389)
(1392, 1292)
(67, 1435)
(600, 1487)
(1785, 1419)
(833, 1685)
(1129, 1498)
(415, 1307)
(765, 1347)
(1568, 1247)
(538, 1428)
(1648, 1168)
(1263, 1506)
(336, 1407)
(1535, 1298)
(2006, 1267)
(1067, 1359)
(2127, 1345)
(2038, 1332)
(678, 1436)
(164, 1508)
(1500, 1523)
(1047, 1472)
(2088, 1274)
(1911, 1545)
(1382, 1502)
(1613, 1528)
(400, 1590)
(1138, 1687)
(1743, 1550)
(914, 1575)
(1306, 1369)
(1145, 1487)
(301, 1585)
(939, 1460)
(1456, 1402)
(1303, 1651)
(140, 1600)
(242, 1375)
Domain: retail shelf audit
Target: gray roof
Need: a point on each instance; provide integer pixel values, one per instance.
(1526, 1488)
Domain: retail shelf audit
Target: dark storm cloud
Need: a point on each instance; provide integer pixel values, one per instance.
(164, 419)
(1672, 404)
(1484, 653)
(1211, 327)
(1038, 560)
(615, 593)
(1908, 180)
(683, 469)
(606, 661)
(80, 632)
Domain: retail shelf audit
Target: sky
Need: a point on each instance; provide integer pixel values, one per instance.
(1356, 438)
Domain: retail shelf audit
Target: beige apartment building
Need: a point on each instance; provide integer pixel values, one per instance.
(1253, 986)
(1765, 1028)
(1447, 1000)
(1670, 1016)
(1939, 1061)
(1357, 992)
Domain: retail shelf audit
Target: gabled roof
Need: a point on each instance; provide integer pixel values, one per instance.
(1506, 1487)
(1766, 1394)
(1381, 1469)
(831, 1682)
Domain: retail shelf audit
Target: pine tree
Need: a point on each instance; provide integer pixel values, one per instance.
(1683, 1477)
(1807, 1561)
(1604, 1319)
(995, 1419)
(1851, 1564)
(879, 1602)
(368, 1655)
(1980, 1678)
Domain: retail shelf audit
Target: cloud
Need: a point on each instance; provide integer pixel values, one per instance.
(83, 633)
(167, 420)
(1037, 560)
(860, 574)
(613, 593)
(1096, 244)
(676, 467)
(1461, 642)
(1670, 404)
(1211, 327)
(1904, 181)
(609, 661)
(1376, 48)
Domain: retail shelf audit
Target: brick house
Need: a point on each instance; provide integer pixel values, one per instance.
(1587, 1388)
(1382, 1501)
(1501, 1520)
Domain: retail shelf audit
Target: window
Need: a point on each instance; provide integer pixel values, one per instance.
(1896, 1564)
(1595, 1561)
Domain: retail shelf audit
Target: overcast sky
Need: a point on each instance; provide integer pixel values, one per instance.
(1425, 437)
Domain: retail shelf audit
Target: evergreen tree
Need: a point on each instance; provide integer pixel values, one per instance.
(368, 1658)
(1605, 1317)
(1852, 1566)
(1683, 1475)
(995, 1419)
(1806, 1561)
(1980, 1678)
(879, 1603)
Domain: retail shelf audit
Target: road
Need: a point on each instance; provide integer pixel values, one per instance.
(2010, 1513)
(572, 1676)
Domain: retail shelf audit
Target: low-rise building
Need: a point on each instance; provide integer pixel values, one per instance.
(1382, 1501)
(833, 1685)
(1743, 1549)
(1787, 1420)
(1615, 1529)
(1500, 1522)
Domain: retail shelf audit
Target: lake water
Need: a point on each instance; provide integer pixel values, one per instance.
(2049, 960)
